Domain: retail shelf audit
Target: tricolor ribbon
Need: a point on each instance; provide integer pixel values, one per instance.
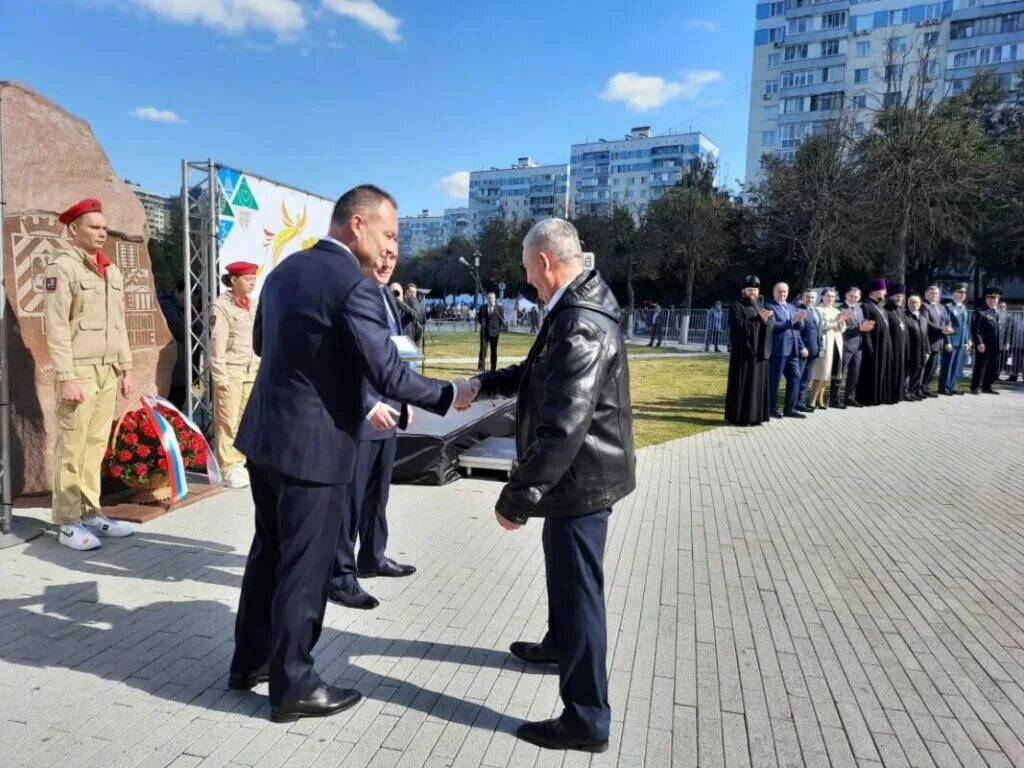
(169, 442)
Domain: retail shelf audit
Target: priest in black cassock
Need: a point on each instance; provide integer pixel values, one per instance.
(898, 333)
(875, 373)
(750, 347)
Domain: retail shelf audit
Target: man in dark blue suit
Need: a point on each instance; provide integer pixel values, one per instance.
(787, 352)
(320, 330)
(371, 485)
(810, 333)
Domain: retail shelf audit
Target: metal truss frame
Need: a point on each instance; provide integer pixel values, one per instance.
(199, 213)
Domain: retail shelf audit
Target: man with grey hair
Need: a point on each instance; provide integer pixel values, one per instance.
(574, 444)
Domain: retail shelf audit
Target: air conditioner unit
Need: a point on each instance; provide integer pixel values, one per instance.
(767, 97)
(777, 44)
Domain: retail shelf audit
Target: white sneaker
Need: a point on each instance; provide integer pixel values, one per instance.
(101, 525)
(78, 537)
(237, 477)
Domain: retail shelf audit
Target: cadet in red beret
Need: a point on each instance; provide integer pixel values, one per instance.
(233, 365)
(87, 338)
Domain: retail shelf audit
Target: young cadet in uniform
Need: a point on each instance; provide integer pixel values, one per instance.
(88, 343)
(233, 366)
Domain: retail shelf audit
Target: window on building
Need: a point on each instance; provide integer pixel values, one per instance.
(767, 138)
(830, 48)
(933, 11)
(858, 129)
(860, 101)
(773, 60)
(777, 9)
(861, 76)
(794, 105)
(770, 112)
(835, 20)
(902, 16)
(897, 44)
(796, 52)
(798, 26)
(863, 48)
(931, 39)
(827, 102)
(893, 73)
(771, 87)
(892, 98)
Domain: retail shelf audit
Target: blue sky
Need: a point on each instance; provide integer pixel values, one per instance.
(324, 94)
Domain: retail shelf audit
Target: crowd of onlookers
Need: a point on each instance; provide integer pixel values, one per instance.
(887, 349)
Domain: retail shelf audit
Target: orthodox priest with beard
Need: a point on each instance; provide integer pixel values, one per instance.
(750, 347)
(875, 370)
(898, 333)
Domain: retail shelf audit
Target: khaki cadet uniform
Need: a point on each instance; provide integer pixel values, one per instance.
(87, 338)
(233, 366)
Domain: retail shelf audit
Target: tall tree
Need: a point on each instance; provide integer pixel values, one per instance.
(686, 228)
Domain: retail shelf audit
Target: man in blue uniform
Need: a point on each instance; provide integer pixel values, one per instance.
(958, 342)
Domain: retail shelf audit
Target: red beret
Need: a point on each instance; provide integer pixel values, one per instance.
(240, 268)
(81, 207)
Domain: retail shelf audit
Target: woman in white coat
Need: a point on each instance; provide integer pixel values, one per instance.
(829, 364)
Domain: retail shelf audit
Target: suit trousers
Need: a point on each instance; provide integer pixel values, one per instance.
(492, 342)
(790, 367)
(83, 432)
(986, 368)
(284, 589)
(366, 518)
(952, 368)
(930, 366)
(851, 375)
(577, 623)
(806, 371)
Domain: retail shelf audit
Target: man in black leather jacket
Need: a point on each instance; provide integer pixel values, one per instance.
(574, 441)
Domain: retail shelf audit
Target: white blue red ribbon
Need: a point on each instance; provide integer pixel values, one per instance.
(169, 442)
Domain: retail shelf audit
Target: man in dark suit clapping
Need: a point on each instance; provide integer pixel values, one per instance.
(321, 330)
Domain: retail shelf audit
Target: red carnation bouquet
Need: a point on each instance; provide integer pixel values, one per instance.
(135, 455)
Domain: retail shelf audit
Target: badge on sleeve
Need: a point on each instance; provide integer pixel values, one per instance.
(51, 284)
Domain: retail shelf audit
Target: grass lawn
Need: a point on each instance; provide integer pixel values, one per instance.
(446, 344)
(674, 397)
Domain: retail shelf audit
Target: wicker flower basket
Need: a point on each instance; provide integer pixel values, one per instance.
(154, 489)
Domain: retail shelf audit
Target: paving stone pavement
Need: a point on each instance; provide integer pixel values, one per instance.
(844, 590)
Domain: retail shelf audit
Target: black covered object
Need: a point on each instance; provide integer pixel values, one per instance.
(428, 452)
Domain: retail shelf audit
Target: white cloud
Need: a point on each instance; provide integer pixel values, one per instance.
(643, 92)
(456, 185)
(285, 18)
(157, 115)
(702, 25)
(369, 14)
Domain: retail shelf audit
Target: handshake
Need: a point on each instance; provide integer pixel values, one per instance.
(466, 391)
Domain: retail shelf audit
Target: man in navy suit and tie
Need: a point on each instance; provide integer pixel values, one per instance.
(810, 333)
(375, 463)
(788, 351)
(321, 330)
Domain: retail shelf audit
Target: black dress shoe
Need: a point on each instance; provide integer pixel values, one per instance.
(325, 700)
(840, 406)
(975, 391)
(362, 599)
(553, 734)
(990, 392)
(388, 568)
(804, 409)
(795, 415)
(533, 653)
(776, 414)
(854, 404)
(245, 681)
